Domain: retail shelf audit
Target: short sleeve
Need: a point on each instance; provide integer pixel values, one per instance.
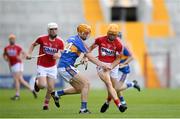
(38, 40)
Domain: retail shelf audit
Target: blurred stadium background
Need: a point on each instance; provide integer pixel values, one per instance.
(150, 29)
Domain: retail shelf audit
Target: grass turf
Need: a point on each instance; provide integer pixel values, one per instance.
(154, 103)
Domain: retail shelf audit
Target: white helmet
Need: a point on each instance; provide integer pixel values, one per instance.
(52, 25)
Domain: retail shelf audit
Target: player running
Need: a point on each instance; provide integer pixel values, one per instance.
(66, 69)
(109, 48)
(46, 64)
(14, 55)
(121, 83)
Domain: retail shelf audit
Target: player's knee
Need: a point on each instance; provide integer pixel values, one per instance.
(22, 80)
(42, 86)
(84, 86)
(79, 90)
(117, 88)
(16, 77)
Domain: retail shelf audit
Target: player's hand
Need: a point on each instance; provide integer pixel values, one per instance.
(106, 67)
(6, 58)
(28, 57)
(84, 60)
(56, 56)
(19, 58)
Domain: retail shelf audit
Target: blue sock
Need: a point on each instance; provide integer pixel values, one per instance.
(129, 85)
(60, 93)
(121, 98)
(83, 105)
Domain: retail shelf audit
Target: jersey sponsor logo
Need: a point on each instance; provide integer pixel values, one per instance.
(107, 52)
(11, 52)
(49, 50)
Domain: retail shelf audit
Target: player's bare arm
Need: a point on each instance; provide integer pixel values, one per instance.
(28, 57)
(116, 62)
(92, 47)
(22, 55)
(97, 62)
(56, 55)
(5, 57)
(121, 65)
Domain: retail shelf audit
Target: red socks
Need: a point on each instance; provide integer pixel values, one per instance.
(117, 102)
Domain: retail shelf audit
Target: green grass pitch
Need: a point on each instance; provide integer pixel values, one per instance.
(154, 103)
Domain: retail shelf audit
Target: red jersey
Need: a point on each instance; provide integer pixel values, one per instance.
(12, 52)
(107, 50)
(49, 48)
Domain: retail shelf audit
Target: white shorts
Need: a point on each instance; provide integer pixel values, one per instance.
(113, 72)
(50, 72)
(18, 67)
(67, 73)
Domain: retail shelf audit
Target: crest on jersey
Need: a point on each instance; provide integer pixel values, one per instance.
(49, 50)
(107, 52)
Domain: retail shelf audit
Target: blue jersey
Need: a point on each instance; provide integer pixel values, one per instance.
(124, 56)
(74, 48)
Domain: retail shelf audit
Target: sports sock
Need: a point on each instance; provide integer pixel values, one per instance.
(108, 100)
(117, 102)
(122, 100)
(17, 93)
(129, 85)
(46, 102)
(83, 105)
(60, 93)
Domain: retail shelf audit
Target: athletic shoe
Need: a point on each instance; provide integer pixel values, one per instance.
(56, 99)
(45, 107)
(124, 104)
(136, 85)
(104, 107)
(122, 108)
(36, 88)
(15, 97)
(34, 94)
(86, 111)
